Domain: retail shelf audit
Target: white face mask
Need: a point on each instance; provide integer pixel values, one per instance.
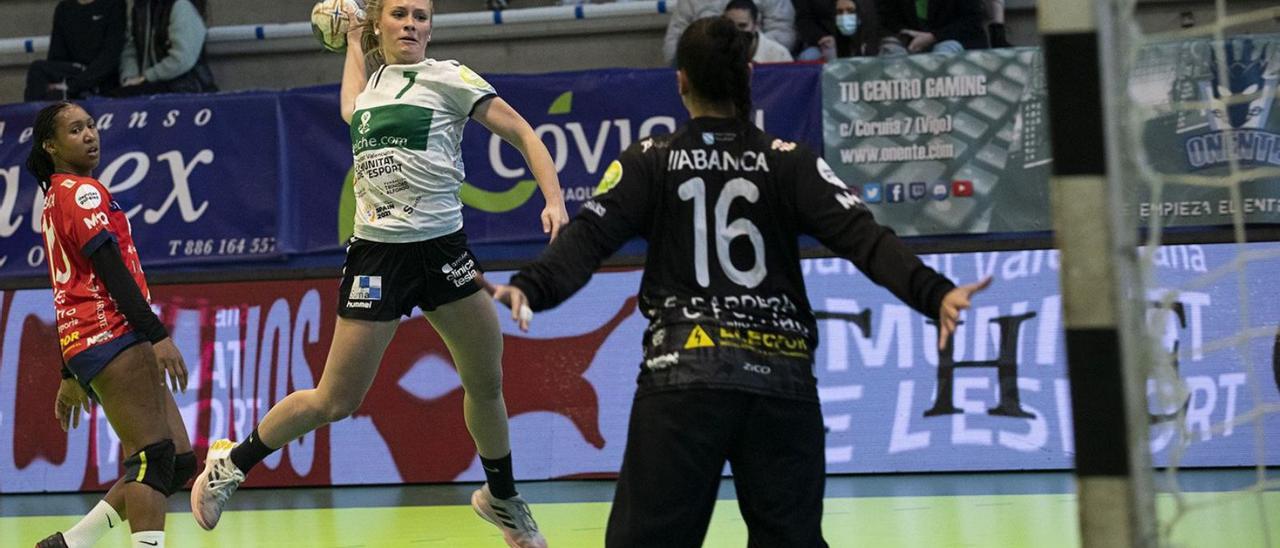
(847, 23)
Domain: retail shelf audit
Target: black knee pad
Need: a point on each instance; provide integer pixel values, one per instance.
(184, 466)
(153, 465)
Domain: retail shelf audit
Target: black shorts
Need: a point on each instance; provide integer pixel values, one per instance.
(677, 444)
(384, 281)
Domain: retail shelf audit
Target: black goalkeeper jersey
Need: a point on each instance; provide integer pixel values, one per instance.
(721, 204)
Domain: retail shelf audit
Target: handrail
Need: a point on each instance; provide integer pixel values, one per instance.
(249, 33)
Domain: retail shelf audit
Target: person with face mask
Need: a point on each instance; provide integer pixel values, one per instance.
(746, 16)
(841, 28)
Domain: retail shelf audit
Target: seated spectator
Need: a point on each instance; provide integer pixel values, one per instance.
(746, 16)
(938, 26)
(84, 51)
(837, 28)
(778, 15)
(164, 52)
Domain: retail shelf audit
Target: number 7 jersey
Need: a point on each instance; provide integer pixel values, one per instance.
(722, 204)
(406, 136)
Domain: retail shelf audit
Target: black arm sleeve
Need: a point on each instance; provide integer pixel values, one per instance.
(107, 63)
(836, 217)
(619, 211)
(109, 265)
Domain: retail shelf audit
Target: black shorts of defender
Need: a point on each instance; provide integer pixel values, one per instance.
(677, 444)
(384, 281)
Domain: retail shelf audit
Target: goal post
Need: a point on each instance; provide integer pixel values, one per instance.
(1104, 326)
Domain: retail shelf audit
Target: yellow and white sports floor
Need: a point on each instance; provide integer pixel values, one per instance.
(934, 511)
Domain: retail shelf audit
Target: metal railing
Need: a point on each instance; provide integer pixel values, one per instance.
(249, 33)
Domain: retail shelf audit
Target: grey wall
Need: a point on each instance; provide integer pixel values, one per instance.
(523, 48)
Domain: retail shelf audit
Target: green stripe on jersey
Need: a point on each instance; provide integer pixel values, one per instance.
(390, 126)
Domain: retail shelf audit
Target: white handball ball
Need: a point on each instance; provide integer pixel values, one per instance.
(329, 24)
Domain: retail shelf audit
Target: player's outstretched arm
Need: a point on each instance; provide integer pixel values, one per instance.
(956, 300)
(621, 209)
(353, 69)
(503, 120)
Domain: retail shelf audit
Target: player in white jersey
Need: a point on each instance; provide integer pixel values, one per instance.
(409, 250)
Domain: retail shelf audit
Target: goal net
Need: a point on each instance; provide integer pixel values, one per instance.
(1194, 148)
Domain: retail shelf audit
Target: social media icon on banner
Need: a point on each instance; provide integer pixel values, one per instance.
(962, 189)
(897, 193)
(871, 193)
(917, 191)
(941, 191)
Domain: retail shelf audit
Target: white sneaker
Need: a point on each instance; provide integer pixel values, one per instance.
(511, 515)
(214, 486)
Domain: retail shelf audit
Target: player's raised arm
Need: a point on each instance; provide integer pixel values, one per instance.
(354, 75)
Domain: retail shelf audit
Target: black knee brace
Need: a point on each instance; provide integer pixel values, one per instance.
(153, 465)
(184, 466)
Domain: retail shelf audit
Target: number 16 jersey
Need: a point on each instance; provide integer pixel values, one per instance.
(721, 204)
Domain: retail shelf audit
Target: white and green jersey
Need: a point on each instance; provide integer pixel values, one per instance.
(406, 135)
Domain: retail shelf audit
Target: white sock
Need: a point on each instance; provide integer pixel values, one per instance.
(148, 539)
(92, 526)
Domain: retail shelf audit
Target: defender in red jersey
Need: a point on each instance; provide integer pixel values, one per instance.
(114, 348)
(79, 217)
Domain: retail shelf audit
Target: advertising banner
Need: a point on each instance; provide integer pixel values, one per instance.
(943, 144)
(248, 180)
(1208, 119)
(199, 177)
(999, 400)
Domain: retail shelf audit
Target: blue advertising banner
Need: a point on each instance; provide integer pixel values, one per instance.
(892, 403)
(199, 178)
(251, 180)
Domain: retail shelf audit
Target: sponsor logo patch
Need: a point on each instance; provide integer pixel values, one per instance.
(612, 175)
(460, 271)
(88, 197)
(365, 288)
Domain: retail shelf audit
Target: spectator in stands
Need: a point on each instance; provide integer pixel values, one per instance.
(84, 51)
(837, 28)
(995, 25)
(938, 26)
(746, 16)
(164, 52)
(778, 16)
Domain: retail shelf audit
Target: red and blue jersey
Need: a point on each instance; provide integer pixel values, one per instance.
(79, 217)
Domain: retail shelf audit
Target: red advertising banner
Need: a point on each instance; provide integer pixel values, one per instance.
(250, 344)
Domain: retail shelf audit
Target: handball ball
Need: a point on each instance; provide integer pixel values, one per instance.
(329, 23)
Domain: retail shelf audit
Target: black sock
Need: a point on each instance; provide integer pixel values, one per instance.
(498, 471)
(250, 452)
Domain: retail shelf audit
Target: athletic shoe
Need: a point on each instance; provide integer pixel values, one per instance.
(54, 541)
(214, 486)
(511, 515)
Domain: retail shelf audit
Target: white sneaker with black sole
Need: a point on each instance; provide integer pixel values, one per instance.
(511, 516)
